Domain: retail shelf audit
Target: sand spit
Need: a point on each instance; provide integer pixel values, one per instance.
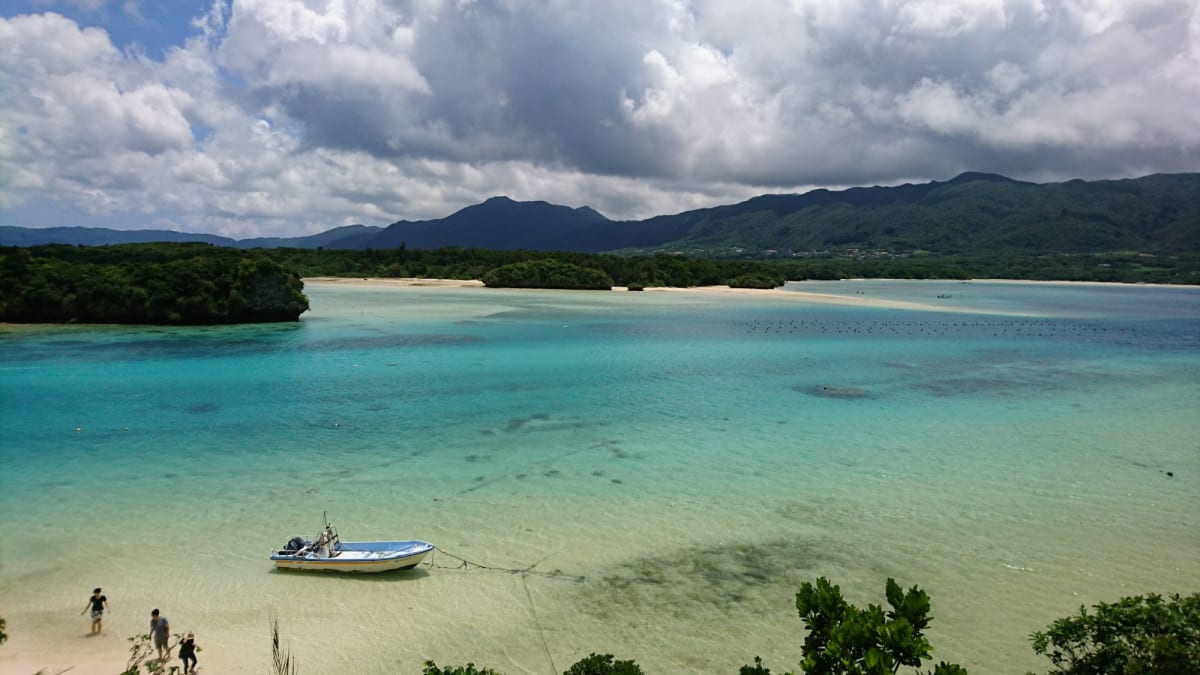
(780, 293)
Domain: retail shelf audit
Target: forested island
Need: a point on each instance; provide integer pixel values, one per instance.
(184, 284)
(198, 283)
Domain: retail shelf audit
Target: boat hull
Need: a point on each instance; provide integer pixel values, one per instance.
(359, 557)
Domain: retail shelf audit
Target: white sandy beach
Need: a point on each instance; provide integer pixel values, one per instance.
(799, 296)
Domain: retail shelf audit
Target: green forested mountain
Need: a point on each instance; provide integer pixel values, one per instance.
(498, 223)
(974, 214)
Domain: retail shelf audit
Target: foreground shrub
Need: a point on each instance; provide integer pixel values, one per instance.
(603, 664)
(1136, 635)
(845, 640)
(141, 652)
(432, 668)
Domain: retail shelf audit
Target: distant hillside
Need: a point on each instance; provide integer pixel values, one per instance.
(972, 214)
(498, 223)
(322, 240)
(102, 236)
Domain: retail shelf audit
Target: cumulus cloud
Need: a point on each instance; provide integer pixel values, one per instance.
(292, 116)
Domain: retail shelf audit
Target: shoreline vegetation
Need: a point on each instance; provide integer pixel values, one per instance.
(202, 284)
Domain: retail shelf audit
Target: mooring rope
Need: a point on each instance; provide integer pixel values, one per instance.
(464, 564)
(538, 624)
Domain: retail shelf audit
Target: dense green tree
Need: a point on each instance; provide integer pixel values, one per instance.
(547, 274)
(704, 268)
(146, 283)
(845, 640)
(1140, 635)
(756, 280)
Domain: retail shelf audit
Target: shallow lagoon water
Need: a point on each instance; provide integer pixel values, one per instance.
(666, 467)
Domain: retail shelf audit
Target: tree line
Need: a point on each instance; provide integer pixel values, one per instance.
(198, 283)
(684, 271)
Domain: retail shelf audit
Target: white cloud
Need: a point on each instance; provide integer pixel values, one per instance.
(78, 97)
(291, 116)
(936, 18)
(49, 44)
(351, 66)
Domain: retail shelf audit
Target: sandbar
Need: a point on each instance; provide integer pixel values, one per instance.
(721, 290)
(395, 281)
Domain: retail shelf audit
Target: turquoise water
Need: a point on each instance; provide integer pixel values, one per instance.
(676, 463)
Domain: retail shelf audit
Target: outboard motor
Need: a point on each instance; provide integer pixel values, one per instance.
(294, 544)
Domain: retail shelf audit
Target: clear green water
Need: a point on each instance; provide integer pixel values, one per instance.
(683, 460)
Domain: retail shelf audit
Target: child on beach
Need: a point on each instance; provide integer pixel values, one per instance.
(187, 651)
(98, 603)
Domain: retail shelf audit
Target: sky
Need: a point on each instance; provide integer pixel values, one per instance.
(289, 117)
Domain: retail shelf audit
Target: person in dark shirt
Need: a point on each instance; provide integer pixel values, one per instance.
(187, 651)
(97, 603)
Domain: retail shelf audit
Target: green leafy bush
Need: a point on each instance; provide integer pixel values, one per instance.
(845, 640)
(140, 653)
(603, 664)
(1135, 635)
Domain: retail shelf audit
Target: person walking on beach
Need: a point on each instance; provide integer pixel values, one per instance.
(97, 603)
(187, 651)
(160, 630)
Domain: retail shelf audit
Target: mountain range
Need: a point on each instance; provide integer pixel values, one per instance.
(972, 214)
